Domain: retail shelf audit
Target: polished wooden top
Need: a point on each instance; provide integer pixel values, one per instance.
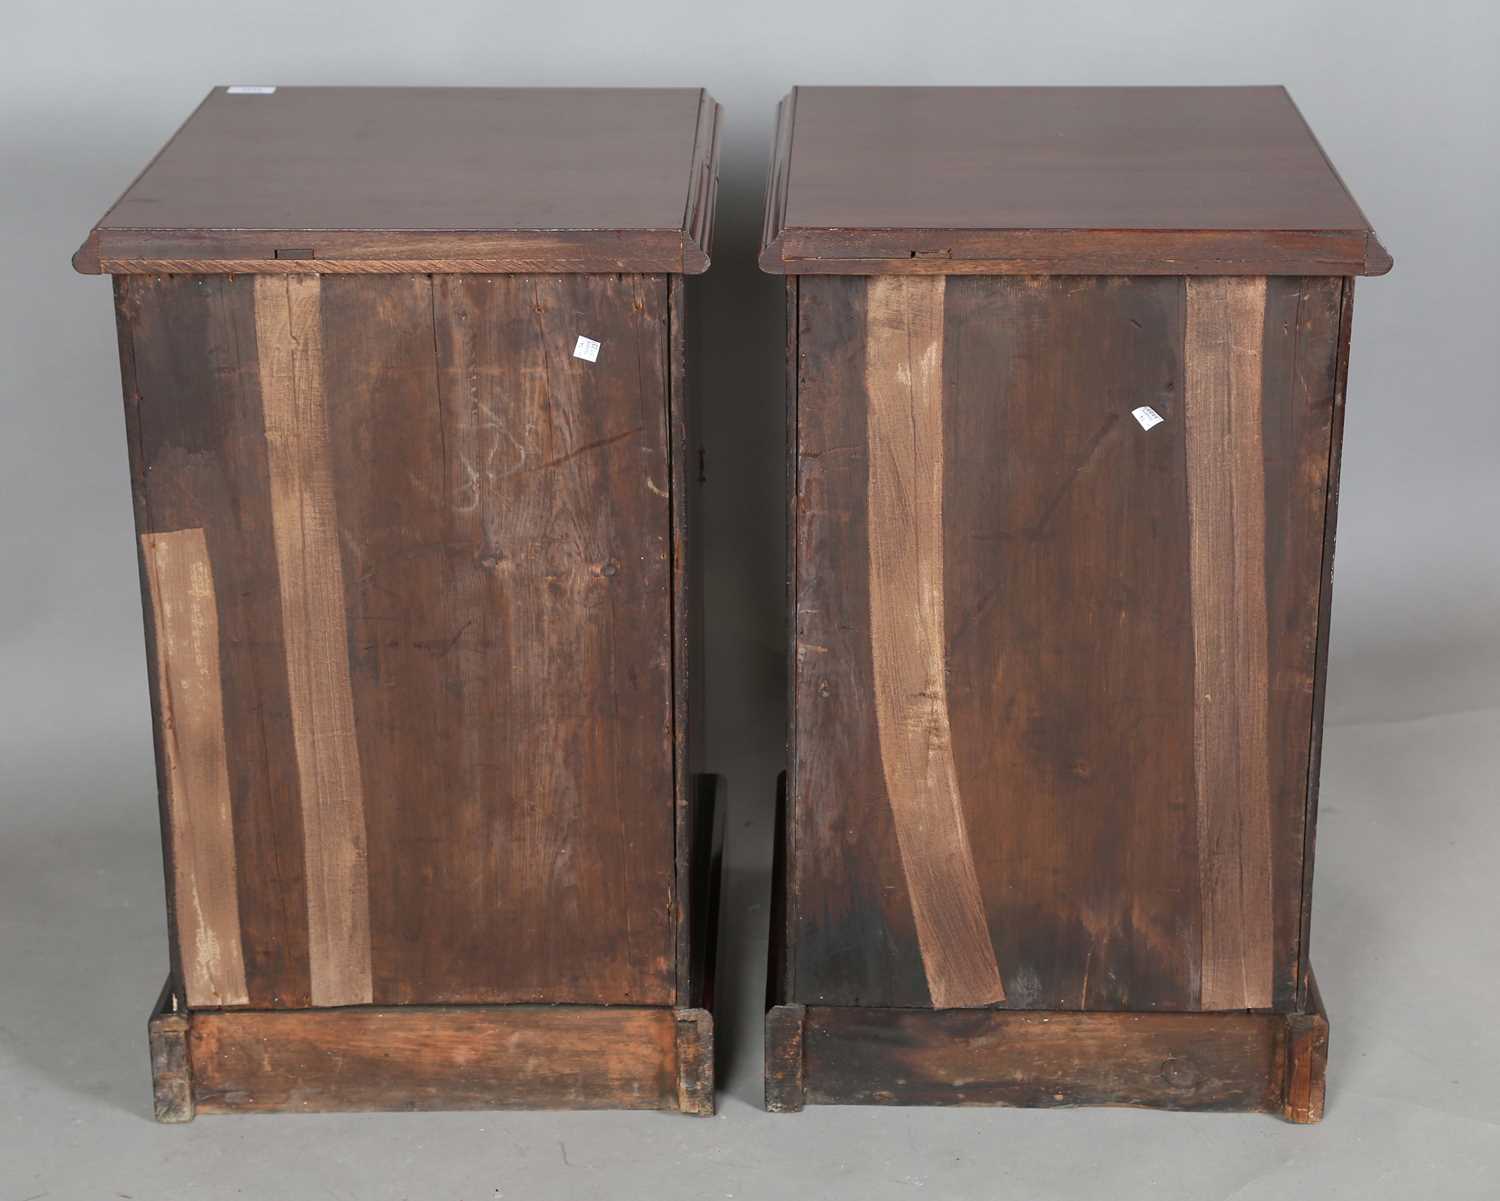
(552, 179)
(1157, 180)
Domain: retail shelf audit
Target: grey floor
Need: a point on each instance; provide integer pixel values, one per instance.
(1404, 942)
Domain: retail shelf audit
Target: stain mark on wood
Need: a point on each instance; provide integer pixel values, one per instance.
(1227, 544)
(289, 341)
(185, 614)
(904, 380)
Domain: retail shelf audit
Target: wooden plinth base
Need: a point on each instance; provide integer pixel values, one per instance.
(412, 1057)
(847, 1055)
(834, 1055)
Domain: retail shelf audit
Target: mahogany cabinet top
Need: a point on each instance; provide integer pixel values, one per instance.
(1076, 180)
(457, 179)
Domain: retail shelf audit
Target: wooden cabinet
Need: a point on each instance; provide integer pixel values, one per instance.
(410, 422)
(1066, 376)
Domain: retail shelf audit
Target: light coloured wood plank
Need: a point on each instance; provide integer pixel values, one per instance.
(1227, 521)
(204, 881)
(304, 525)
(904, 378)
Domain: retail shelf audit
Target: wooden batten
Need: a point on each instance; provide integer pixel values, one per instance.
(190, 696)
(304, 519)
(904, 377)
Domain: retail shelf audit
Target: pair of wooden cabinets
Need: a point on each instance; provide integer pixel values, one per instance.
(413, 424)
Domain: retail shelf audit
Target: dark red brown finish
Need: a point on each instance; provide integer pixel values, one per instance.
(1150, 180)
(424, 179)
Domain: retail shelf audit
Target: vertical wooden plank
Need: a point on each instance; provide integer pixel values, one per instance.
(198, 459)
(189, 688)
(1345, 320)
(1301, 340)
(852, 938)
(1226, 505)
(1069, 646)
(305, 524)
(904, 376)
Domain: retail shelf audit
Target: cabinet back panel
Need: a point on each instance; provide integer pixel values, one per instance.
(1053, 672)
(438, 547)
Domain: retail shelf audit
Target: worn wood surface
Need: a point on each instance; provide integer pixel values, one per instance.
(1081, 625)
(185, 616)
(1183, 1061)
(1305, 1084)
(305, 528)
(1223, 348)
(449, 608)
(424, 179)
(1090, 180)
(908, 650)
(171, 1071)
(416, 1057)
(695, 1061)
(784, 1058)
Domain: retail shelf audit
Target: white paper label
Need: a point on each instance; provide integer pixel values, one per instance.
(1147, 416)
(245, 89)
(587, 349)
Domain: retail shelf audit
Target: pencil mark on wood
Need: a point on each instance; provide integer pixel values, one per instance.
(1227, 545)
(904, 379)
(289, 340)
(185, 613)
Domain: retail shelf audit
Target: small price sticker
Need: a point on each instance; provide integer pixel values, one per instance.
(586, 349)
(250, 89)
(1147, 416)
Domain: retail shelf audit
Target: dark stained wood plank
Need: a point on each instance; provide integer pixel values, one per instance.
(904, 481)
(425, 179)
(1082, 180)
(1069, 659)
(418, 1057)
(305, 525)
(505, 532)
(852, 935)
(198, 460)
(1325, 607)
(1223, 357)
(1183, 1061)
(186, 640)
(1298, 357)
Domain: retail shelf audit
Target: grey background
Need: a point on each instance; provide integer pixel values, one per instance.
(1404, 98)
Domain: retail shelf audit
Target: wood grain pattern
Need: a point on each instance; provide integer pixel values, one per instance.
(1075, 181)
(506, 550)
(1069, 644)
(305, 523)
(852, 936)
(1227, 522)
(1070, 668)
(1182, 1061)
(904, 377)
(437, 179)
(198, 460)
(186, 625)
(419, 1057)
